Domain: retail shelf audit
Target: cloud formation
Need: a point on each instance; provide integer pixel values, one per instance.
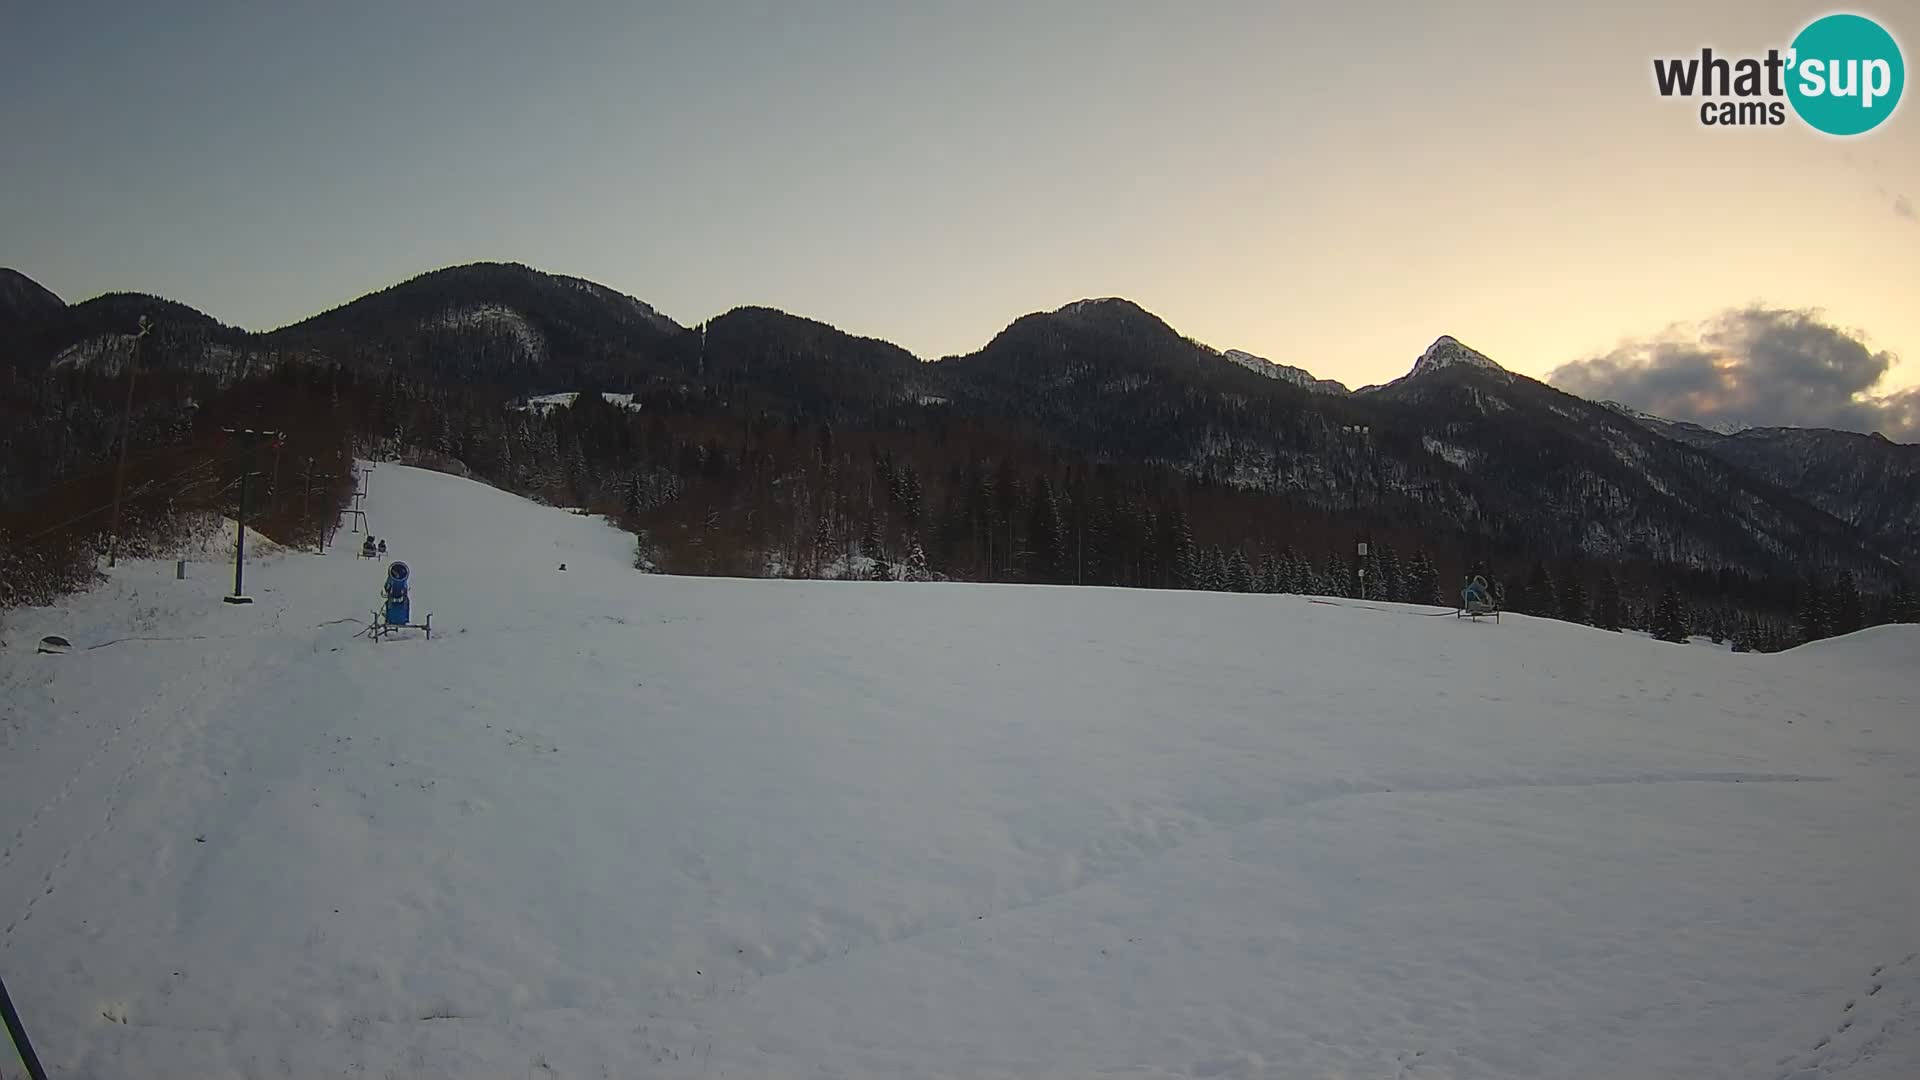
(1753, 367)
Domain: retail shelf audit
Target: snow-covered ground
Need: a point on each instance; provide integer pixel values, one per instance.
(615, 824)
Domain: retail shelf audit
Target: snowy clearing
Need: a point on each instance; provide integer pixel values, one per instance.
(533, 346)
(615, 824)
(546, 403)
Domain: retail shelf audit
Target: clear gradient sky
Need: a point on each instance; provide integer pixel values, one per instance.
(1330, 185)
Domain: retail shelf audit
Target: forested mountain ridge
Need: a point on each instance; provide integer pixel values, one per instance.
(24, 300)
(1458, 445)
(1092, 443)
(504, 324)
(1868, 481)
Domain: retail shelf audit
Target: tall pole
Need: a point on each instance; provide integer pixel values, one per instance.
(19, 1032)
(126, 436)
(240, 533)
(249, 440)
(306, 500)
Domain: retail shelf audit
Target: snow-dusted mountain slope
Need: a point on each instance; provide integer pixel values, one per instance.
(1865, 480)
(1298, 376)
(607, 823)
(1446, 352)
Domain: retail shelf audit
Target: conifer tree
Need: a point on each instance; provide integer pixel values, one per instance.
(1811, 619)
(1423, 580)
(1537, 596)
(1573, 600)
(1669, 617)
(1384, 579)
(1240, 573)
(1903, 608)
(1271, 574)
(1846, 604)
(870, 544)
(1608, 613)
(917, 569)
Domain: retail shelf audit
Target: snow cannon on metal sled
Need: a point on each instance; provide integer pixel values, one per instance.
(396, 610)
(1477, 600)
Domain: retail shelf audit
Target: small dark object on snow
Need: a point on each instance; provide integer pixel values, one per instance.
(54, 643)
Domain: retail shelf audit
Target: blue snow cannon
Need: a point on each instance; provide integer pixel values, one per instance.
(399, 605)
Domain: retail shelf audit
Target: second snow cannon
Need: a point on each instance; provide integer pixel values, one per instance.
(1477, 598)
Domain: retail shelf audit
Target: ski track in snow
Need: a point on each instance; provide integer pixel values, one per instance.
(167, 712)
(607, 823)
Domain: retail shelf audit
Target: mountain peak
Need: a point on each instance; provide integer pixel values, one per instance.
(1099, 304)
(1446, 352)
(1111, 315)
(22, 297)
(1104, 311)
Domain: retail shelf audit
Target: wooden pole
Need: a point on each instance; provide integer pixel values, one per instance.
(19, 1032)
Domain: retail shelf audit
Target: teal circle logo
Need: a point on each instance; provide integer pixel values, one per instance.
(1845, 74)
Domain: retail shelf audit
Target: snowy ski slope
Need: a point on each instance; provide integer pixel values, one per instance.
(613, 824)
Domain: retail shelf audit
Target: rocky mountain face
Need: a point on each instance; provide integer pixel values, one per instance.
(1865, 480)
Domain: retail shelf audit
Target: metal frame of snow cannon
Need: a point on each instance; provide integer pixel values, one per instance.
(1479, 611)
(380, 629)
(1478, 607)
